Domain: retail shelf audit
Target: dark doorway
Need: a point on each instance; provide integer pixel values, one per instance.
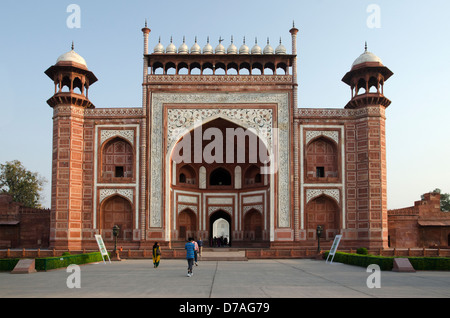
(220, 176)
(213, 218)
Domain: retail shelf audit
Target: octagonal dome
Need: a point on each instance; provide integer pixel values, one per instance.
(72, 56)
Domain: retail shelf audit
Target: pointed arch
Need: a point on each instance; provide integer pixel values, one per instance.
(323, 210)
(116, 210)
(117, 160)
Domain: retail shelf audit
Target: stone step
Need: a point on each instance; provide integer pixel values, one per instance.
(222, 254)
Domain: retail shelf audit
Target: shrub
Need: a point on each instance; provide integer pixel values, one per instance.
(362, 251)
(48, 263)
(8, 264)
(387, 262)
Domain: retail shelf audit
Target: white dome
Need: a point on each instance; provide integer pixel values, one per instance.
(220, 49)
(256, 49)
(72, 56)
(196, 49)
(244, 49)
(159, 48)
(366, 57)
(183, 49)
(171, 48)
(232, 49)
(280, 49)
(208, 48)
(268, 49)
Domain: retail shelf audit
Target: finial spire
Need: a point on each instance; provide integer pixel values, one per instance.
(72, 46)
(365, 47)
(145, 22)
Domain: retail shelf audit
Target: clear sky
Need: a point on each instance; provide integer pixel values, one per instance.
(411, 38)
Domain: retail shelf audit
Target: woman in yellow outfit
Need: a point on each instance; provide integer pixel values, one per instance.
(156, 254)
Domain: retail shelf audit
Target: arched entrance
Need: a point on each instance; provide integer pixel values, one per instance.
(217, 221)
(186, 224)
(325, 212)
(253, 226)
(210, 168)
(117, 210)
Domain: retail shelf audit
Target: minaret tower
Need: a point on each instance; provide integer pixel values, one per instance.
(72, 80)
(366, 79)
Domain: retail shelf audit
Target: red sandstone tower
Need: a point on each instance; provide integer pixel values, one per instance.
(72, 80)
(367, 210)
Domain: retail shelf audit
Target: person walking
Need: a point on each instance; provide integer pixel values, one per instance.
(190, 247)
(195, 252)
(156, 254)
(200, 246)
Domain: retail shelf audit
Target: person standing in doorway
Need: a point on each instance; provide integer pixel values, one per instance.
(156, 254)
(190, 247)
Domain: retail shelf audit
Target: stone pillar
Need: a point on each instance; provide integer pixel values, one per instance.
(67, 178)
(294, 32)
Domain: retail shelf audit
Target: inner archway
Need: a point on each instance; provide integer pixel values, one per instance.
(209, 168)
(322, 211)
(219, 228)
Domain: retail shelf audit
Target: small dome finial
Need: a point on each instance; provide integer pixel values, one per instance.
(73, 46)
(145, 22)
(365, 47)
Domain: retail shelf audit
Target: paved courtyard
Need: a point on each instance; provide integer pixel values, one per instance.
(262, 279)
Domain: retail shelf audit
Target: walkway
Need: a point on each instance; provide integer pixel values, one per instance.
(275, 278)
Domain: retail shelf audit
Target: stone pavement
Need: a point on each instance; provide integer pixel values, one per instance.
(258, 279)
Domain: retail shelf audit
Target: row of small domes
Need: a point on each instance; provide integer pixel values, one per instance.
(220, 49)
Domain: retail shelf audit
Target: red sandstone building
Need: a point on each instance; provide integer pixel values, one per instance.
(422, 225)
(121, 166)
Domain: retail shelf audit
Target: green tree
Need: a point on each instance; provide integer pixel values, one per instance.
(23, 185)
(445, 200)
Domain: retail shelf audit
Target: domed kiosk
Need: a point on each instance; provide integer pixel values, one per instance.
(72, 80)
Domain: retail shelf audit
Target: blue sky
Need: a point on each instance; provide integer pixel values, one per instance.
(412, 40)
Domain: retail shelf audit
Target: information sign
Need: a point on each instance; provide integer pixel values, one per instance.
(333, 249)
(102, 247)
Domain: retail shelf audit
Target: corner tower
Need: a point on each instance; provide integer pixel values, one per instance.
(366, 152)
(72, 80)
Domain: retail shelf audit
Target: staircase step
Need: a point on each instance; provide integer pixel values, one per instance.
(223, 254)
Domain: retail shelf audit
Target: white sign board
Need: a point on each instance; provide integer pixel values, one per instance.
(333, 249)
(102, 247)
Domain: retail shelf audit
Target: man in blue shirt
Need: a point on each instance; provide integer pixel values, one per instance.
(190, 247)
